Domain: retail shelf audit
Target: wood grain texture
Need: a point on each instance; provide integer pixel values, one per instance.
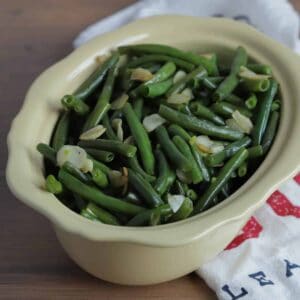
(34, 34)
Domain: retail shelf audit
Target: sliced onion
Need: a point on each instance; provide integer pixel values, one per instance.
(129, 140)
(117, 126)
(76, 156)
(247, 73)
(119, 102)
(141, 74)
(179, 98)
(216, 147)
(152, 122)
(185, 177)
(242, 121)
(178, 76)
(117, 179)
(93, 133)
(175, 201)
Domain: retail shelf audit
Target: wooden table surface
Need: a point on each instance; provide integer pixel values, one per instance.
(34, 34)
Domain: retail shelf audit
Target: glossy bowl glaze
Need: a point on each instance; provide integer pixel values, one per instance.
(150, 255)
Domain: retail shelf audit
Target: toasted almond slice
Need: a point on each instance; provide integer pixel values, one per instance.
(93, 133)
(153, 121)
(119, 102)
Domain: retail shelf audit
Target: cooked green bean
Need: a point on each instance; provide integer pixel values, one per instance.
(234, 99)
(109, 145)
(218, 158)
(256, 84)
(70, 102)
(94, 195)
(171, 151)
(270, 131)
(199, 73)
(135, 166)
(53, 186)
(212, 82)
(61, 131)
(99, 178)
(184, 211)
(263, 114)
(242, 169)
(143, 218)
(109, 131)
(161, 58)
(105, 156)
(275, 105)
(233, 164)
(251, 101)
(48, 152)
(177, 130)
(231, 81)
(103, 104)
(226, 109)
(94, 80)
(166, 175)
(102, 215)
(201, 165)
(198, 125)
(255, 151)
(260, 69)
(156, 89)
(100, 165)
(195, 59)
(88, 215)
(202, 111)
(144, 188)
(186, 151)
(141, 137)
(138, 105)
(190, 193)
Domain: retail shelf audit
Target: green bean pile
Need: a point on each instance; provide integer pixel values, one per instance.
(156, 134)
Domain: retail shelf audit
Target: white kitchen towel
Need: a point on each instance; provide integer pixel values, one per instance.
(263, 261)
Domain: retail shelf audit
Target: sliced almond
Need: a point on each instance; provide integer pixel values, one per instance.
(93, 133)
(119, 102)
(117, 126)
(141, 74)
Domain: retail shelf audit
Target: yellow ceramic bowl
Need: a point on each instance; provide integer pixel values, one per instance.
(150, 255)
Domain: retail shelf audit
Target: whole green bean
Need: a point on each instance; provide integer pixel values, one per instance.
(48, 152)
(199, 160)
(184, 211)
(94, 195)
(143, 218)
(110, 145)
(105, 156)
(102, 215)
(226, 109)
(270, 131)
(138, 107)
(171, 151)
(186, 151)
(99, 178)
(144, 188)
(70, 102)
(263, 113)
(198, 125)
(135, 166)
(195, 59)
(141, 137)
(102, 105)
(177, 87)
(59, 137)
(223, 177)
(53, 185)
(94, 80)
(202, 111)
(156, 89)
(70, 168)
(178, 130)
(166, 175)
(161, 58)
(216, 159)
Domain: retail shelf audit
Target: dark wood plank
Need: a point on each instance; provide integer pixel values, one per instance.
(35, 34)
